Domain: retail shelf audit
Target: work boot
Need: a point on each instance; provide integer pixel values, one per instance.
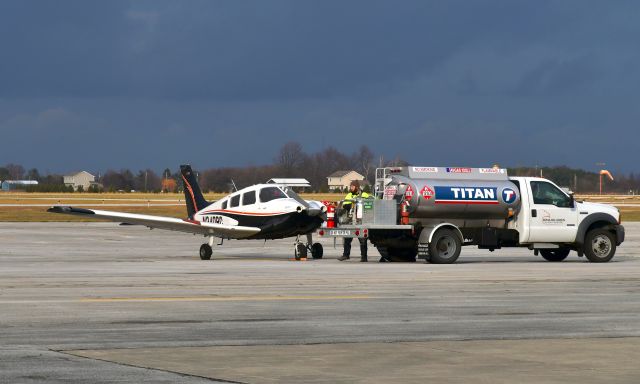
(343, 258)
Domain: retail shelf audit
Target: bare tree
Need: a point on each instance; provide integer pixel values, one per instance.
(147, 180)
(16, 171)
(363, 161)
(290, 158)
(4, 174)
(33, 174)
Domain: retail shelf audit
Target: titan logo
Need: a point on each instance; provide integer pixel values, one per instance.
(508, 195)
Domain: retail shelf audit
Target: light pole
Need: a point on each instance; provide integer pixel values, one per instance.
(601, 165)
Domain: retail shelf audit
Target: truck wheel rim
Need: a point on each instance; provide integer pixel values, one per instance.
(446, 246)
(601, 246)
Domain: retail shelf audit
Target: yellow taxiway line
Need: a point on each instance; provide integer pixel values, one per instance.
(223, 298)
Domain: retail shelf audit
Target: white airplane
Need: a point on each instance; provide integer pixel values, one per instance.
(262, 211)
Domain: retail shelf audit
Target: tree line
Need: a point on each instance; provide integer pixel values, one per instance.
(292, 161)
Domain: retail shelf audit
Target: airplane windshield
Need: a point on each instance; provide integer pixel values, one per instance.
(271, 193)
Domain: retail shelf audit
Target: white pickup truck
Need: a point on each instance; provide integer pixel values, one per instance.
(431, 212)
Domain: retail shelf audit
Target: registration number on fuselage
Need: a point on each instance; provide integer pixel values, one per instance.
(212, 219)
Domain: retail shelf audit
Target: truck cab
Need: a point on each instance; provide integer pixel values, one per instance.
(550, 218)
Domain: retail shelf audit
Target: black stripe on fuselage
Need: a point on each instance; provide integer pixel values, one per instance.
(276, 226)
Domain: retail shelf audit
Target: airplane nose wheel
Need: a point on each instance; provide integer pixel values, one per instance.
(301, 250)
(205, 252)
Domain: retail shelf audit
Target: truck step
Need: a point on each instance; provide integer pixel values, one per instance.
(423, 251)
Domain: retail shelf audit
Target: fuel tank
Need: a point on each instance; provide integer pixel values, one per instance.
(454, 193)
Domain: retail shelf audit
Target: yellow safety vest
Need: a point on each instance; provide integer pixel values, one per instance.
(351, 197)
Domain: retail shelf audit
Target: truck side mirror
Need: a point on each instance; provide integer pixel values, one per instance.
(572, 201)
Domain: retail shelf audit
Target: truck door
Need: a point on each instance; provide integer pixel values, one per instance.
(553, 215)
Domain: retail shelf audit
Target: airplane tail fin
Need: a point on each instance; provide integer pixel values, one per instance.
(192, 193)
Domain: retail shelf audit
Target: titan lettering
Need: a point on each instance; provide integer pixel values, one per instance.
(473, 193)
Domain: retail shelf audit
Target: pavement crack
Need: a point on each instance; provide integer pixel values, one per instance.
(212, 379)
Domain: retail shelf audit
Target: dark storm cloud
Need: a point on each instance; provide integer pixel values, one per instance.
(227, 82)
(244, 50)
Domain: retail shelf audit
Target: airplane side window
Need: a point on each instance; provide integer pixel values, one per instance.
(235, 201)
(249, 198)
(271, 193)
(224, 205)
(547, 193)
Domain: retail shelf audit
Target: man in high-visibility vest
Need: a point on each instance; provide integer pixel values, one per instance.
(354, 193)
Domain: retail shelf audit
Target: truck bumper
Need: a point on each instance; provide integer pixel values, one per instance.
(619, 234)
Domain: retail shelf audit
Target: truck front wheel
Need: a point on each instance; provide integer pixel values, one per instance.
(555, 254)
(445, 247)
(599, 245)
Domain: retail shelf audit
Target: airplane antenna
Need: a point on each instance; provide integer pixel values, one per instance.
(234, 185)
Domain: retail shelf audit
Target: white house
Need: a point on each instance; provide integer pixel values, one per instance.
(342, 179)
(82, 178)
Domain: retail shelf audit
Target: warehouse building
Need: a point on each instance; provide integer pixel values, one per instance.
(13, 185)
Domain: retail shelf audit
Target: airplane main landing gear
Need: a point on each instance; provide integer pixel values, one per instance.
(205, 252)
(301, 250)
(206, 249)
(316, 251)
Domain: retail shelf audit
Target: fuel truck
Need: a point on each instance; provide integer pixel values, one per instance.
(432, 212)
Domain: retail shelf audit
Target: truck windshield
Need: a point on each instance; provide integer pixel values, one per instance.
(271, 193)
(547, 193)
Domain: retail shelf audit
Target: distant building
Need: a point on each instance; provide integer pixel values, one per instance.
(12, 185)
(339, 180)
(82, 178)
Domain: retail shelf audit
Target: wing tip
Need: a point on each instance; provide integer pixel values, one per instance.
(70, 210)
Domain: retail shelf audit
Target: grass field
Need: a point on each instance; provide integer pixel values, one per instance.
(30, 207)
(22, 206)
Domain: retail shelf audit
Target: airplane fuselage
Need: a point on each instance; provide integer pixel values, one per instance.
(264, 206)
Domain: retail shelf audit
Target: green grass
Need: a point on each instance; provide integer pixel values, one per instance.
(24, 213)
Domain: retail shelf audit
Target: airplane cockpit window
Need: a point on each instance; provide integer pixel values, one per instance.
(224, 204)
(271, 193)
(249, 198)
(235, 201)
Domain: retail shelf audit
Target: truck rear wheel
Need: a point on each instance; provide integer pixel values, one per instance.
(445, 247)
(555, 254)
(599, 245)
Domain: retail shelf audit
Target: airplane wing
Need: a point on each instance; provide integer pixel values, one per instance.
(161, 222)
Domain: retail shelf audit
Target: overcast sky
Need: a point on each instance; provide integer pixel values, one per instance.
(112, 84)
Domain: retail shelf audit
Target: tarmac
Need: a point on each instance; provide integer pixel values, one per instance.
(103, 303)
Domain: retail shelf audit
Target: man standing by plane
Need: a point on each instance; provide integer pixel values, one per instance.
(354, 193)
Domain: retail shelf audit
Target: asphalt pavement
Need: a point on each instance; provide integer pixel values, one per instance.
(99, 302)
